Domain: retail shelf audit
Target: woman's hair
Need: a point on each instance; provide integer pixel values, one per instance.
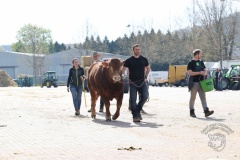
(74, 60)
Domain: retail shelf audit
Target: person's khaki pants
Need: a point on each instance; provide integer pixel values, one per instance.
(197, 89)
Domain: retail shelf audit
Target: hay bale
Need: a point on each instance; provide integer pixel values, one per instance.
(86, 69)
(86, 61)
(6, 80)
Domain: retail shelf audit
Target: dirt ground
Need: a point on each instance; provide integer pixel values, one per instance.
(39, 124)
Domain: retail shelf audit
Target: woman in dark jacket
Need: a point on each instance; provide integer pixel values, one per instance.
(75, 79)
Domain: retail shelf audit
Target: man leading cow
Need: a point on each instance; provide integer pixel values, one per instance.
(136, 65)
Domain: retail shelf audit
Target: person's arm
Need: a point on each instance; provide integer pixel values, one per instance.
(191, 73)
(124, 69)
(82, 77)
(68, 81)
(204, 72)
(147, 67)
(147, 71)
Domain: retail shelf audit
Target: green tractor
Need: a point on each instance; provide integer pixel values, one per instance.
(224, 80)
(233, 76)
(49, 79)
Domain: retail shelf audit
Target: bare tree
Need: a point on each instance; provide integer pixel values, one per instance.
(219, 25)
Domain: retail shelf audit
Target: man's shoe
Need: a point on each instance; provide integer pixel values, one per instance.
(101, 110)
(77, 113)
(192, 114)
(140, 116)
(136, 119)
(143, 111)
(207, 112)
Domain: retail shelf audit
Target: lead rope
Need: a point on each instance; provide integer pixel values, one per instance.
(84, 92)
(137, 85)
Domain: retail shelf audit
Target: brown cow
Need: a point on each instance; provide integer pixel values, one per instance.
(104, 79)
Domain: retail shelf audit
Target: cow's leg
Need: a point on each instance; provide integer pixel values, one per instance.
(107, 106)
(94, 97)
(119, 104)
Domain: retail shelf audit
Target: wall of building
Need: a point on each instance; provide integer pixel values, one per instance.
(15, 63)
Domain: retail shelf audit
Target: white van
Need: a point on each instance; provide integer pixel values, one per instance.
(153, 75)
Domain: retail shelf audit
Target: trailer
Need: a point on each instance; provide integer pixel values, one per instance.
(177, 75)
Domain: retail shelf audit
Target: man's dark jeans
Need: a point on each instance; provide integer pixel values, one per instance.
(142, 88)
(101, 103)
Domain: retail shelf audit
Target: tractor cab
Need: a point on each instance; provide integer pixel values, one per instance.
(49, 79)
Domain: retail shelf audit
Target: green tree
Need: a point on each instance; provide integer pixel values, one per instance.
(106, 44)
(63, 47)
(51, 47)
(57, 47)
(33, 39)
(17, 47)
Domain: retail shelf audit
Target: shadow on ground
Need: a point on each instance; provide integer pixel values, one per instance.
(122, 124)
(212, 119)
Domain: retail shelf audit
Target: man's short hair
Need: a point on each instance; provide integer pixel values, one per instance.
(135, 45)
(96, 54)
(196, 52)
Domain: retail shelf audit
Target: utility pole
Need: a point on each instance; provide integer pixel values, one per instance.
(145, 38)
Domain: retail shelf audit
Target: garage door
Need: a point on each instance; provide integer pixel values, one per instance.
(10, 71)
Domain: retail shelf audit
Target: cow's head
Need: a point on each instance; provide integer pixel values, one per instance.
(114, 67)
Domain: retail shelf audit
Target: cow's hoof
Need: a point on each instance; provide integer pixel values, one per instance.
(108, 120)
(114, 117)
(93, 116)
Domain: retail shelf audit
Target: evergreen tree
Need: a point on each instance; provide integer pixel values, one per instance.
(57, 47)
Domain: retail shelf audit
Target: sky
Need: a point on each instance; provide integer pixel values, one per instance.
(68, 20)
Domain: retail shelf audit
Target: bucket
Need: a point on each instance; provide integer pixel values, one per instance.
(207, 85)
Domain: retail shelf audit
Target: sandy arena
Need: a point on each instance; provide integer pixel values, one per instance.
(39, 124)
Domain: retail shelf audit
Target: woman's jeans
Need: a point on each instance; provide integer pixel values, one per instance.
(142, 89)
(76, 95)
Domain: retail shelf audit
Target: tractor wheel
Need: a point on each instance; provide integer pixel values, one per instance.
(225, 83)
(49, 84)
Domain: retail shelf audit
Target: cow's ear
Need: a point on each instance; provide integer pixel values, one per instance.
(104, 64)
